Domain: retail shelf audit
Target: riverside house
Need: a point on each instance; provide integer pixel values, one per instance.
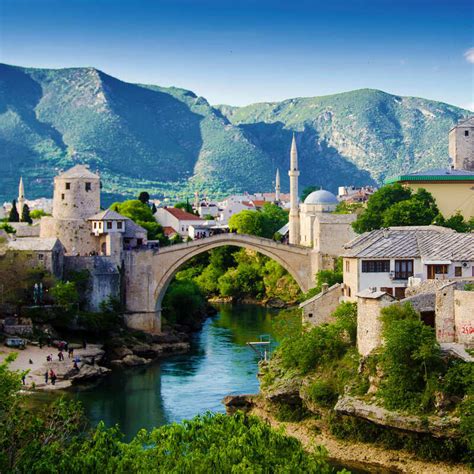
(385, 259)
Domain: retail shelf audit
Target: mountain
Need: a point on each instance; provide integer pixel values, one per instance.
(171, 142)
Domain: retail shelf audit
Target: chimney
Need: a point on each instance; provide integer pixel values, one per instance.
(324, 287)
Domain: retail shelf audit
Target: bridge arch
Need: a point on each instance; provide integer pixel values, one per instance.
(148, 273)
(212, 243)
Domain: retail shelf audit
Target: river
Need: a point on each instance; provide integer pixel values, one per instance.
(182, 386)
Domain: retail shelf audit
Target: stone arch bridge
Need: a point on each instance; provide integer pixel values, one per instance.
(147, 273)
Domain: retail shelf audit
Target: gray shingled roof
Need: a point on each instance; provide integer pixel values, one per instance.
(426, 242)
(109, 215)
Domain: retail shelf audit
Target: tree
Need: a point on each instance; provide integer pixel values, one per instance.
(455, 222)
(307, 191)
(144, 197)
(14, 216)
(38, 214)
(65, 294)
(395, 205)
(345, 207)
(153, 208)
(185, 206)
(25, 214)
(247, 222)
(142, 215)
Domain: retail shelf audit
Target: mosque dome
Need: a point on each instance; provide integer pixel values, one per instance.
(321, 197)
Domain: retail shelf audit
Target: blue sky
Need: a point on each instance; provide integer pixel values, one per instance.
(243, 51)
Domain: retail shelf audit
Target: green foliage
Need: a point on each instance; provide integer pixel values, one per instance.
(330, 277)
(185, 206)
(289, 412)
(262, 223)
(345, 207)
(183, 302)
(38, 214)
(459, 379)
(469, 287)
(322, 392)
(425, 446)
(455, 222)
(25, 214)
(410, 360)
(141, 214)
(65, 294)
(8, 228)
(108, 319)
(144, 197)
(467, 426)
(14, 216)
(420, 209)
(55, 439)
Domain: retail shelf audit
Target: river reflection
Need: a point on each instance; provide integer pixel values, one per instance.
(180, 387)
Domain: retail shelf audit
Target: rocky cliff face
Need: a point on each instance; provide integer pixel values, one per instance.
(171, 142)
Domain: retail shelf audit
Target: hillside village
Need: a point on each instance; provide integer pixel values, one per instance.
(429, 267)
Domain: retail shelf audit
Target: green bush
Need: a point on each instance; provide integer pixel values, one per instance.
(323, 393)
(410, 359)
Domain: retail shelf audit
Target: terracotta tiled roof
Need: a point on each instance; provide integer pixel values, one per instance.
(182, 215)
(168, 231)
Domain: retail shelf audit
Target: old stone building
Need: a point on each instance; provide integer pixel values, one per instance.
(461, 145)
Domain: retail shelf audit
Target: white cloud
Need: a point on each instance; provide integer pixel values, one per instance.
(469, 55)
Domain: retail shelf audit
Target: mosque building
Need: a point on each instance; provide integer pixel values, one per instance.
(313, 222)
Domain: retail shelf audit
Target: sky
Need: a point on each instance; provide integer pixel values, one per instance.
(244, 51)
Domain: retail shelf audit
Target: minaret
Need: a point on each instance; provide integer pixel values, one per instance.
(277, 186)
(294, 227)
(21, 198)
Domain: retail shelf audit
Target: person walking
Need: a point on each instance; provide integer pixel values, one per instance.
(46, 377)
(23, 379)
(53, 377)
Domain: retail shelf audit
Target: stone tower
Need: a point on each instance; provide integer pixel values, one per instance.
(76, 194)
(294, 222)
(277, 186)
(76, 197)
(21, 198)
(461, 145)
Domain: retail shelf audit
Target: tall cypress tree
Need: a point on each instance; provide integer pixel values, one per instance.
(14, 216)
(25, 214)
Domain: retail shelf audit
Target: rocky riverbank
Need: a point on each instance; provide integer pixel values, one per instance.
(312, 432)
(92, 362)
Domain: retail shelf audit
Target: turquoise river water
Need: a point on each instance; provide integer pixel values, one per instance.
(182, 386)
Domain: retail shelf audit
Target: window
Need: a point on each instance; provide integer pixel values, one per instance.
(466, 133)
(458, 271)
(62, 197)
(375, 266)
(310, 315)
(88, 186)
(40, 256)
(68, 185)
(434, 270)
(109, 225)
(348, 266)
(119, 225)
(403, 269)
(95, 225)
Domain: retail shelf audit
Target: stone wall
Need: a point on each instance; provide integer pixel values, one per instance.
(464, 317)
(318, 309)
(74, 234)
(104, 280)
(444, 320)
(369, 325)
